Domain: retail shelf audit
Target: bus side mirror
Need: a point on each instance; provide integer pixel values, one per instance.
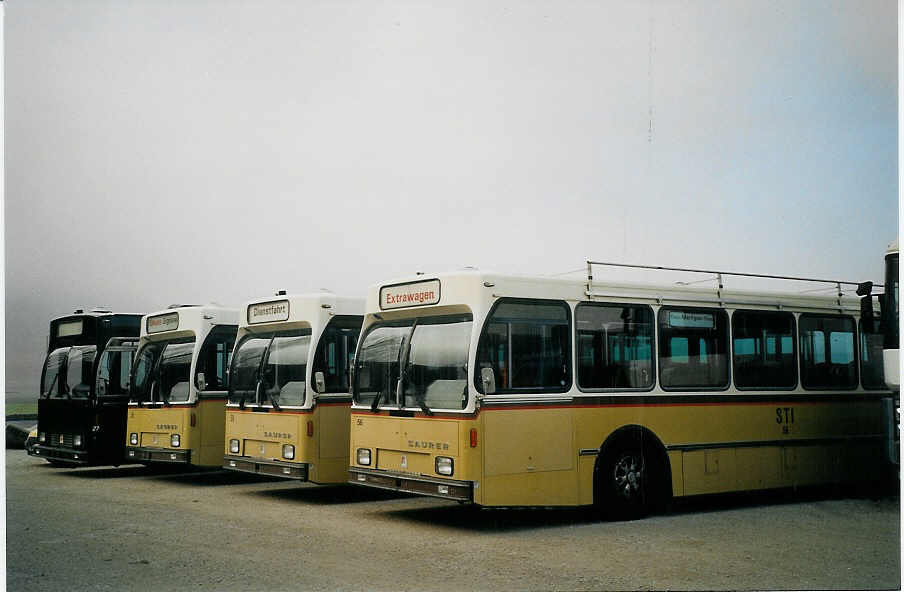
(489, 381)
(319, 382)
(202, 383)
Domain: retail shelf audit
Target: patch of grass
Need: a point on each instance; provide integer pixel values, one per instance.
(30, 408)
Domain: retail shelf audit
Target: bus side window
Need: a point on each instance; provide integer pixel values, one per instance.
(693, 348)
(827, 352)
(614, 346)
(526, 343)
(335, 350)
(213, 360)
(763, 349)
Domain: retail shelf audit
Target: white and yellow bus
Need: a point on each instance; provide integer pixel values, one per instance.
(289, 401)
(531, 391)
(177, 390)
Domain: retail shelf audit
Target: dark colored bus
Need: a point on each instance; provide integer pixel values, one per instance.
(84, 388)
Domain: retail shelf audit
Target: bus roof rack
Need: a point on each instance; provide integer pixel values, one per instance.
(720, 274)
(182, 306)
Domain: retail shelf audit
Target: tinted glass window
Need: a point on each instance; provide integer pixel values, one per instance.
(213, 360)
(872, 374)
(113, 372)
(80, 370)
(693, 348)
(437, 370)
(245, 368)
(615, 346)
(284, 370)
(526, 343)
(378, 364)
(53, 384)
(142, 377)
(336, 351)
(827, 352)
(763, 349)
(175, 372)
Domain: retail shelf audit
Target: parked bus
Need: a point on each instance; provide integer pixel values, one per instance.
(519, 391)
(892, 365)
(289, 401)
(177, 391)
(81, 407)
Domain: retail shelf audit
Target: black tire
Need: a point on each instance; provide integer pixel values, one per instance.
(630, 479)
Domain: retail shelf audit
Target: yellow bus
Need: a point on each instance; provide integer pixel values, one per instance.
(177, 390)
(534, 391)
(288, 408)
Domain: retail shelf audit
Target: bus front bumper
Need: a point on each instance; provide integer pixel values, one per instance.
(272, 468)
(462, 491)
(67, 455)
(142, 454)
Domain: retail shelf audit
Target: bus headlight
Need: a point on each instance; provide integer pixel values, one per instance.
(288, 451)
(42, 437)
(77, 441)
(444, 465)
(174, 440)
(364, 456)
(133, 439)
(234, 446)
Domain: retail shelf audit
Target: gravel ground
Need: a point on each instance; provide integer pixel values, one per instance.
(139, 529)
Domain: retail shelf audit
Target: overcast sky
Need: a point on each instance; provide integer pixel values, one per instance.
(161, 152)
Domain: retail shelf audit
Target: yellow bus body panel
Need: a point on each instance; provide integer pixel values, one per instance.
(156, 425)
(263, 434)
(533, 455)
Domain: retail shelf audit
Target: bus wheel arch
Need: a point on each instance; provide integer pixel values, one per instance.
(632, 475)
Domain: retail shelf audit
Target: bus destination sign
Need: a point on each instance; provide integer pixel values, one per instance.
(268, 312)
(405, 295)
(164, 322)
(691, 320)
(70, 328)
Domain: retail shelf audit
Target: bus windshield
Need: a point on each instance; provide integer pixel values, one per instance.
(52, 385)
(270, 369)
(113, 371)
(162, 372)
(432, 355)
(246, 365)
(80, 370)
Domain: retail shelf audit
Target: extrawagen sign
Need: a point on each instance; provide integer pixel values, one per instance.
(413, 294)
(268, 312)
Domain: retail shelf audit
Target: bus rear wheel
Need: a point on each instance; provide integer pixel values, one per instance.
(629, 481)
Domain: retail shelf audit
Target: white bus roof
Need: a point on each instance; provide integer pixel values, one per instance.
(187, 318)
(295, 308)
(471, 287)
(892, 248)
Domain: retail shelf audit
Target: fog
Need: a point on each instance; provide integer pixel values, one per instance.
(168, 152)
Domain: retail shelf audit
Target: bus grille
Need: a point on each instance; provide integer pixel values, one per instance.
(59, 440)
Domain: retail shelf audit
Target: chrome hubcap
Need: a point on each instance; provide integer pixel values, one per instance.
(628, 476)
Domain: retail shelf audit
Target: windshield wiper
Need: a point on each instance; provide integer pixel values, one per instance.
(53, 382)
(271, 398)
(403, 378)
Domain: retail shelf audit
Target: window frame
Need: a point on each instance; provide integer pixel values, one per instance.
(653, 343)
(860, 335)
(795, 346)
(856, 352)
(694, 308)
(569, 354)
